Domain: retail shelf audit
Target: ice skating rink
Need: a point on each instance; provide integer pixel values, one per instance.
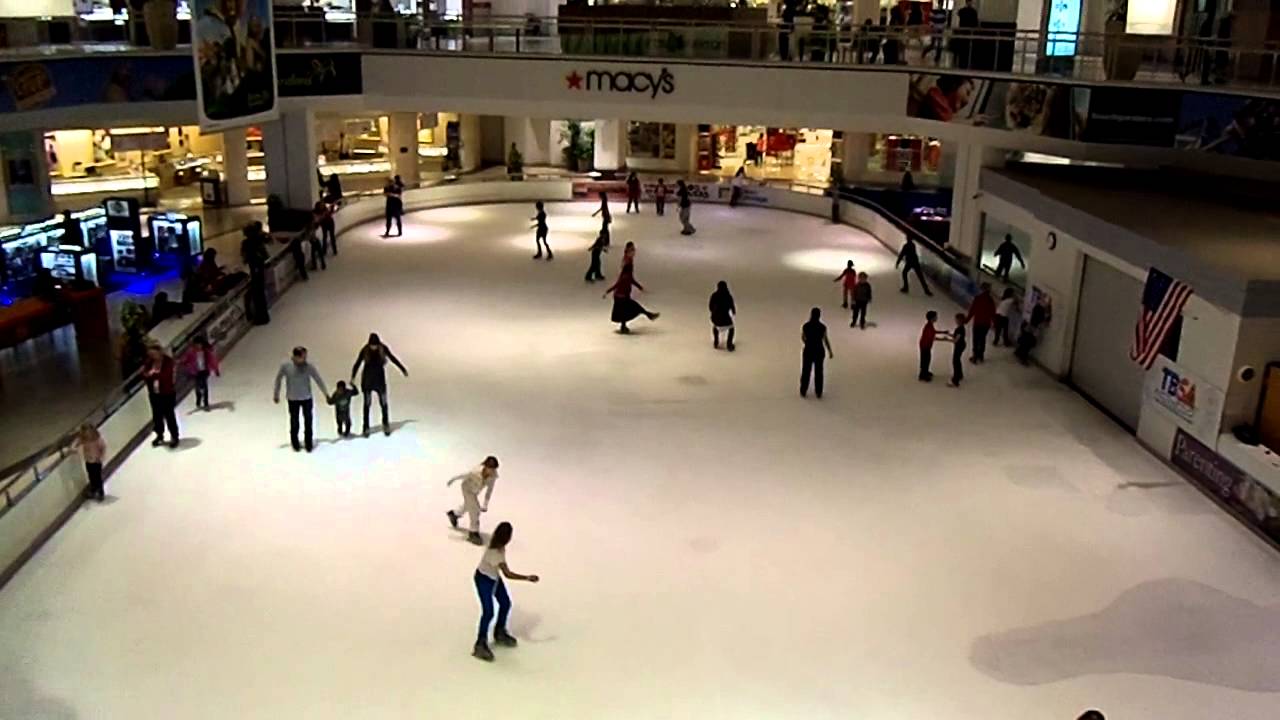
(711, 545)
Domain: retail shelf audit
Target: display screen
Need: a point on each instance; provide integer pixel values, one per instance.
(196, 244)
(124, 250)
(21, 258)
(1064, 23)
(167, 235)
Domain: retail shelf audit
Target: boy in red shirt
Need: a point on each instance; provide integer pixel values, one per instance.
(927, 335)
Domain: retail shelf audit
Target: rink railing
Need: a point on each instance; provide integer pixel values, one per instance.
(1096, 57)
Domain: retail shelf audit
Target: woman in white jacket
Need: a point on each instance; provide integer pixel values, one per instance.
(482, 478)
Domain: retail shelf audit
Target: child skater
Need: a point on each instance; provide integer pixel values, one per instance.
(540, 237)
(606, 217)
(928, 334)
(861, 299)
(482, 478)
(93, 449)
(490, 586)
(601, 245)
(957, 338)
(341, 402)
(200, 360)
(1004, 311)
(850, 278)
(722, 313)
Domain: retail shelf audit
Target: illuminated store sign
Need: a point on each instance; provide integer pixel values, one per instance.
(624, 82)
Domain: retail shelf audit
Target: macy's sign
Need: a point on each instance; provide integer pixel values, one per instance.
(663, 83)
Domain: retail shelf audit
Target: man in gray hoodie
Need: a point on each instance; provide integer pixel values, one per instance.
(297, 375)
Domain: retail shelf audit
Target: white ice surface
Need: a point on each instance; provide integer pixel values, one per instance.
(711, 545)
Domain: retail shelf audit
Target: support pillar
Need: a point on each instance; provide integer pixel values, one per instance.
(856, 153)
(25, 194)
(531, 136)
(610, 145)
(687, 149)
(235, 166)
(966, 213)
(290, 147)
(402, 144)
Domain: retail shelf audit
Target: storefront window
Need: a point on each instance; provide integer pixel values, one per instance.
(768, 153)
(651, 140)
(900, 153)
(1006, 262)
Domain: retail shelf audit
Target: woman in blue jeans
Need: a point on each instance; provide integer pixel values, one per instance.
(489, 585)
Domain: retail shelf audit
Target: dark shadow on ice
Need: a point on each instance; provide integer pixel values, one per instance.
(188, 443)
(228, 405)
(693, 380)
(1171, 628)
(1039, 477)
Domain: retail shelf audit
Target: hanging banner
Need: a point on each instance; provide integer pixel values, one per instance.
(235, 63)
(1194, 405)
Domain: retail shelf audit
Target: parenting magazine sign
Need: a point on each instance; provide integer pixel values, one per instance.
(235, 63)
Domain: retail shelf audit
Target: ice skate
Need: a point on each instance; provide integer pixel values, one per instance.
(453, 518)
(482, 652)
(503, 638)
(474, 538)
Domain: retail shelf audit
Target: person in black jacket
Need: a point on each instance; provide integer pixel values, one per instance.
(909, 260)
(722, 314)
(374, 357)
(254, 253)
(861, 299)
(394, 194)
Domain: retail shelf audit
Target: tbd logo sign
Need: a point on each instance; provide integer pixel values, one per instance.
(1177, 393)
(624, 82)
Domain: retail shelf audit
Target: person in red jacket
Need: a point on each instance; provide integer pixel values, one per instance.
(928, 335)
(199, 361)
(982, 313)
(159, 374)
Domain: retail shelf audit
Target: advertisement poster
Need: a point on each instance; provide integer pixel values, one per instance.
(1121, 116)
(1230, 125)
(90, 81)
(25, 178)
(1037, 108)
(1250, 499)
(315, 74)
(235, 61)
(1194, 405)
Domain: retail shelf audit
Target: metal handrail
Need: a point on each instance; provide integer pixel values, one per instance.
(1096, 56)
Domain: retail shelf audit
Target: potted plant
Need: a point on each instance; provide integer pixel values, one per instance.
(134, 321)
(161, 18)
(579, 146)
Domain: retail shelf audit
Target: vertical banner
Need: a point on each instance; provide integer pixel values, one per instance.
(235, 62)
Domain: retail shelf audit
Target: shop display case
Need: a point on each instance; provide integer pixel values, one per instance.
(131, 251)
(71, 263)
(178, 236)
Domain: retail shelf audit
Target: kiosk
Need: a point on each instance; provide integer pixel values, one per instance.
(71, 263)
(177, 235)
(130, 251)
(20, 250)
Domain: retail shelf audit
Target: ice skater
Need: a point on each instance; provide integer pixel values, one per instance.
(723, 312)
(606, 217)
(958, 344)
(660, 198)
(629, 255)
(982, 313)
(909, 261)
(848, 280)
(633, 192)
(540, 232)
(686, 208)
(817, 348)
(861, 299)
(1006, 252)
(160, 375)
(297, 375)
(394, 194)
(1004, 313)
(374, 357)
(199, 361)
(601, 245)
(625, 309)
(737, 185)
(93, 449)
(481, 478)
(341, 402)
(490, 586)
(928, 334)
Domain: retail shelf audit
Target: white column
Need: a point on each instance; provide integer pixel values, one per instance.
(235, 166)
(856, 153)
(966, 216)
(532, 137)
(25, 194)
(687, 149)
(402, 143)
(610, 145)
(290, 147)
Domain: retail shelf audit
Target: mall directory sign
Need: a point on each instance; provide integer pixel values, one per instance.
(235, 62)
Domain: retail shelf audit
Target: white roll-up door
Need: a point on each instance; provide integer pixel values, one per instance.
(1100, 364)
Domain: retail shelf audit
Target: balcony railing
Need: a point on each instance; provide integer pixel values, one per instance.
(1091, 57)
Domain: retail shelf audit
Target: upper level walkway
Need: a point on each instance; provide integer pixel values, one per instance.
(1095, 58)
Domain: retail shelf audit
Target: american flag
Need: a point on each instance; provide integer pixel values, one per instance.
(1162, 301)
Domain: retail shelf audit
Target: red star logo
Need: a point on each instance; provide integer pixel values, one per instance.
(574, 80)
